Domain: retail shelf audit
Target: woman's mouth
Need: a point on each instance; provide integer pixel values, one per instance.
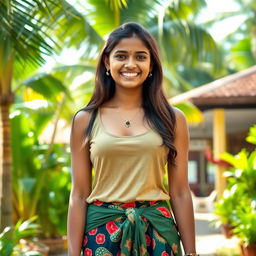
(129, 74)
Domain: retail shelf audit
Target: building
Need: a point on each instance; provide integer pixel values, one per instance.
(229, 109)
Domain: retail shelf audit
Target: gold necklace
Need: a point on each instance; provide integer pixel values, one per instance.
(127, 122)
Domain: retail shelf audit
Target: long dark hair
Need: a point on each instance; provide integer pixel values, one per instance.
(158, 112)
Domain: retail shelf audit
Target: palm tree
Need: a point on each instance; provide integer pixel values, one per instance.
(24, 40)
(239, 45)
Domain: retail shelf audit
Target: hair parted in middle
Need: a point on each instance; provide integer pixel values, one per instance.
(158, 112)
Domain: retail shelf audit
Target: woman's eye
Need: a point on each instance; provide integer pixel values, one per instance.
(120, 57)
(141, 57)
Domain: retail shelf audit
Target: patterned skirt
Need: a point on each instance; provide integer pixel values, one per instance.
(105, 239)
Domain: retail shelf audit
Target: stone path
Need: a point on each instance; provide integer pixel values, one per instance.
(208, 238)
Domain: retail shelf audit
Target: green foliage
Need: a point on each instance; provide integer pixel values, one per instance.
(237, 206)
(47, 85)
(41, 175)
(225, 207)
(23, 28)
(10, 237)
(246, 221)
(251, 138)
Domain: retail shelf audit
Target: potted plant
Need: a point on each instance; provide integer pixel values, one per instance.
(242, 178)
(224, 210)
(245, 226)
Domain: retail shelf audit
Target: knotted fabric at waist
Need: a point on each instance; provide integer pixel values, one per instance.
(135, 224)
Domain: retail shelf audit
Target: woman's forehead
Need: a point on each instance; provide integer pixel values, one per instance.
(131, 44)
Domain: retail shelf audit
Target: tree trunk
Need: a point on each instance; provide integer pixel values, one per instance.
(5, 166)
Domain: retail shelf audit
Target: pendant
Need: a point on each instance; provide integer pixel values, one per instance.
(127, 124)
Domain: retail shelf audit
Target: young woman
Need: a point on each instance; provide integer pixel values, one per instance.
(128, 133)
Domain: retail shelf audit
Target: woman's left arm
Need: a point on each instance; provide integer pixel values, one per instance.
(179, 191)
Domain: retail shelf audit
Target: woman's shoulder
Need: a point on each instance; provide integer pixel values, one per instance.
(178, 113)
(82, 118)
(180, 117)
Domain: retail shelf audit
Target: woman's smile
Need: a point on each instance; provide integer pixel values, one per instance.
(129, 63)
(130, 75)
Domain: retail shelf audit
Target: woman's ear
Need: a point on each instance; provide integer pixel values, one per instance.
(106, 62)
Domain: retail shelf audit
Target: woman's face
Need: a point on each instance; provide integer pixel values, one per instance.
(129, 63)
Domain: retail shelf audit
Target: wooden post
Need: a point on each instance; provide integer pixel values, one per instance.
(219, 146)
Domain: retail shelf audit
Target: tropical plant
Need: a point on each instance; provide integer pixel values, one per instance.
(225, 207)
(239, 207)
(10, 237)
(243, 172)
(41, 175)
(239, 46)
(24, 39)
(245, 220)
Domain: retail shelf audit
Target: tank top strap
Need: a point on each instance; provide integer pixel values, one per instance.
(96, 125)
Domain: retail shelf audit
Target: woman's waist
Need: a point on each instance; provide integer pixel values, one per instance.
(125, 205)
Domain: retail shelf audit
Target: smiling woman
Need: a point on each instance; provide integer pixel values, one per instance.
(128, 66)
(128, 133)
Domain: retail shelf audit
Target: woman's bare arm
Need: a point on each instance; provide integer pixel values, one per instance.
(179, 190)
(81, 183)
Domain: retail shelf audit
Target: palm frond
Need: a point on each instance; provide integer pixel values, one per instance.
(187, 43)
(139, 11)
(48, 86)
(22, 32)
(74, 30)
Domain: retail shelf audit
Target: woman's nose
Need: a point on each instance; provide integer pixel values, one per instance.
(131, 63)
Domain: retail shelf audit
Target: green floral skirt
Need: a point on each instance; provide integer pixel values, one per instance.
(106, 239)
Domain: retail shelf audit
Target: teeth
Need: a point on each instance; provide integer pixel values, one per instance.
(130, 74)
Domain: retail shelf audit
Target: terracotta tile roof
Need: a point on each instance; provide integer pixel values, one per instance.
(232, 91)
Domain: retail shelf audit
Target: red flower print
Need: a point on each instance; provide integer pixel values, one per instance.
(111, 227)
(164, 253)
(87, 252)
(152, 202)
(119, 253)
(144, 218)
(148, 240)
(99, 203)
(100, 239)
(128, 205)
(164, 211)
(85, 240)
(93, 231)
(153, 243)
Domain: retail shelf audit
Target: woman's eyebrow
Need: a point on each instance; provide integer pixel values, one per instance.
(137, 52)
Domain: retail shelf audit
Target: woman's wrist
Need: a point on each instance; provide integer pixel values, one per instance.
(192, 254)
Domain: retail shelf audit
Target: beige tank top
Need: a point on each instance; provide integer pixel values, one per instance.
(127, 168)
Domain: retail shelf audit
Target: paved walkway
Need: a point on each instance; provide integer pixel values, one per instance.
(209, 239)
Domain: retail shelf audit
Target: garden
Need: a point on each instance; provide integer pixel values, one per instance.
(48, 54)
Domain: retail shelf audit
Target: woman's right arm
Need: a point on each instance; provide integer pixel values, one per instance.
(81, 182)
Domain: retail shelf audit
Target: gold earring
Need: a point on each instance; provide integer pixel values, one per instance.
(107, 73)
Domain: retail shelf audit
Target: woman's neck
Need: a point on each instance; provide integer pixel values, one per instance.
(127, 99)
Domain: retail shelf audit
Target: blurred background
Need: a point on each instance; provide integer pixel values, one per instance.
(48, 55)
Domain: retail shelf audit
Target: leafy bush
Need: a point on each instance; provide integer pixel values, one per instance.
(41, 172)
(10, 237)
(238, 204)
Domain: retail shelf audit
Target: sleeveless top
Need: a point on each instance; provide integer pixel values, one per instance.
(127, 168)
